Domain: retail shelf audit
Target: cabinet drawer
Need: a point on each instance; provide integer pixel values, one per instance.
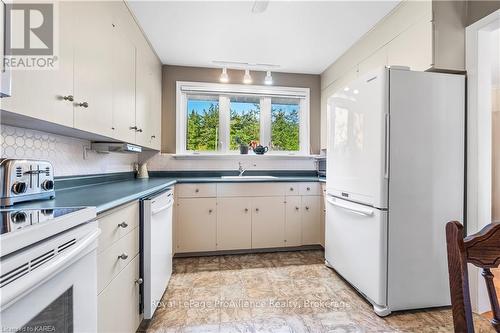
(117, 224)
(292, 189)
(196, 190)
(108, 262)
(310, 189)
(250, 190)
(118, 303)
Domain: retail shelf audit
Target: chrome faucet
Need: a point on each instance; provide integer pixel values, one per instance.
(241, 169)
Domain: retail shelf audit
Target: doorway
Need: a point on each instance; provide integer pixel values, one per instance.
(483, 137)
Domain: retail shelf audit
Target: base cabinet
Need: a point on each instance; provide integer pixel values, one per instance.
(234, 223)
(239, 216)
(268, 222)
(118, 304)
(118, 270)
(197, 224)
(293, 221)
(311, 220)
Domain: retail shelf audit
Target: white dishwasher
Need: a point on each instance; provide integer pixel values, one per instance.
(156, 244)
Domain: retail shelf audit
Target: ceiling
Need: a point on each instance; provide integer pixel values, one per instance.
(299, 36)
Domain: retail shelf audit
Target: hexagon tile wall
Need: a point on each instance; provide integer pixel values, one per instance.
(65, 153)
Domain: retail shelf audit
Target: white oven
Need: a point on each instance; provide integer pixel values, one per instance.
(51, 285)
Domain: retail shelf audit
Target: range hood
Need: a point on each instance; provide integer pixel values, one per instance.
(114, 147)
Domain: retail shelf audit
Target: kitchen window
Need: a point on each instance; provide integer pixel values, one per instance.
(202, 123)
(214, 118)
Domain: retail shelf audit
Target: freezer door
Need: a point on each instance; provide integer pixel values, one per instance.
(356, 246)
(358, 135)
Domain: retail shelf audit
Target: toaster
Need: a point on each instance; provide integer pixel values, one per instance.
(25, 180)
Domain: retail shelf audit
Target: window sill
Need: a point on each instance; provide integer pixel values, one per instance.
(241, 156)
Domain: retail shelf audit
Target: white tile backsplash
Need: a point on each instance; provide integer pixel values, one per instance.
(67, 156)
(65, 153)
(167, 162)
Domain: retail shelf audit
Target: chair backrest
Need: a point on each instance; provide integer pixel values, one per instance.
(482, 250)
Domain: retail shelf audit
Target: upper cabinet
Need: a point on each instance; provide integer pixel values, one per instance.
(47, 94)
(421, 35)
(108, 80)
(124, 70)
(148, 84)
(93, 68)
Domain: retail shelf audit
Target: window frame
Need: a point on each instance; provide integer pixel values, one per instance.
(224, 91)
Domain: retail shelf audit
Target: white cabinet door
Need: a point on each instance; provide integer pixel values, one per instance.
(374, 61)
(268, 222)
(234, 224)
(417, 58)
(40, 93)
(156, 92)
(293, 225)
(147, 97)
(93, 79)
(123, 53)
(118, 304)
(197, 223)
(311, 220)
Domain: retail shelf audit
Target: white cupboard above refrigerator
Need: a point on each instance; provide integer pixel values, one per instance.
(395, 178)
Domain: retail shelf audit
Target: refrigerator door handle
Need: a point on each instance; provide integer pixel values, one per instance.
(387, 147)
(359, 211)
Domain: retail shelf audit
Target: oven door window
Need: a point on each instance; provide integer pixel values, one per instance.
(56, 317)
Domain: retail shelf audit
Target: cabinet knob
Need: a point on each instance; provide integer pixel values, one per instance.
(123, 225)
(139, 281)
(246, 210)
(123, 256)
(291, 189)
(139, 130)
(307, 207)
(197, 190)
(256, 209)
(83, 104)
(133, 128)
(296, 208)
(69, 98)
(308, 188)
(153, 136)
(209, 211)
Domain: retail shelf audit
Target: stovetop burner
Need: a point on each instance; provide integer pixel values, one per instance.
(12, 219)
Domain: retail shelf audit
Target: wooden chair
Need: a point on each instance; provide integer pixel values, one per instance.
(481, 249)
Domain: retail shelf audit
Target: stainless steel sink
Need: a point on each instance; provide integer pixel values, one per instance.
(248, 177)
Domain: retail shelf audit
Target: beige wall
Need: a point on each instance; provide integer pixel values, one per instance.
(477, 9)
(171, 74)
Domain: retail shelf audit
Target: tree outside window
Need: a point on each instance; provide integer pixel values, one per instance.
(202, 123)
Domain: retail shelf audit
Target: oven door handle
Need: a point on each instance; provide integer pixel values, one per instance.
(22, 286)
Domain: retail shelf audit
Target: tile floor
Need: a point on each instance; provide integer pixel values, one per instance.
(278, 292)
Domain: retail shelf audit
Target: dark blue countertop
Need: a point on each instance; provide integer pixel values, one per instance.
(107, 195)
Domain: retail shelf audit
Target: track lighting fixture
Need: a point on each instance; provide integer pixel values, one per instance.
(268, 79)
(247, 79)
(224, 78)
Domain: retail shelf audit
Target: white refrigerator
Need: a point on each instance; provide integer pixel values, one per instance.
(395, 177)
